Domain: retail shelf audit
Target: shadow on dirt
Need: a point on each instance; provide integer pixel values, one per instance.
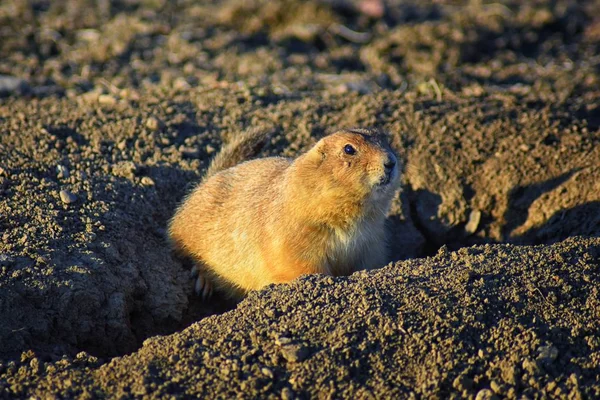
(583, 220)
(552, 226)
(520, 199)
(110, 283)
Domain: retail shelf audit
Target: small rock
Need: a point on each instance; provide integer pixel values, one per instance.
(9, 85)
(372, 8)
(107, 100)
(269, 312)
(485, 394)
(547, 354)
(473, 224)
(62, 172)
(209, 149)
(573, 379)
(287, 394)
(2, 171)
(154, 124)
(267, 372)
(42, 260)
(147, 181)
(282, 340)
(67, 197)
(495, 387)
(294, 352)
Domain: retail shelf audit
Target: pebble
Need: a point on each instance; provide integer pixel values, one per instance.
(147, 181)
(10, 85)
(67, 197)
(62, 172)
(485, 394)
(42, 260)
(154, 124)
(495, 387)
(107, 99)
(294, 352)
(547, 354)
(287, 394)
(372, 8)
(473, 224)
(281, 340)
(267, 372)
(269, 312)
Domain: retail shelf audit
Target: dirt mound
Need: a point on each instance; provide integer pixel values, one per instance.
(491, 320)
(110, 111)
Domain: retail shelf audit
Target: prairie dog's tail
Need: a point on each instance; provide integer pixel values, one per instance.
(239, 149)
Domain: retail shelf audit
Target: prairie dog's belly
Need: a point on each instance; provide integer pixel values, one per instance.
(350, 250)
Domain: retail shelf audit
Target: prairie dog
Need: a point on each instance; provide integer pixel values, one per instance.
(273, 219)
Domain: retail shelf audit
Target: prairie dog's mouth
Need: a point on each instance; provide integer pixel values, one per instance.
(386, 178)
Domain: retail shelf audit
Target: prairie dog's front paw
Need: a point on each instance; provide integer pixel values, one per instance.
(203, 287)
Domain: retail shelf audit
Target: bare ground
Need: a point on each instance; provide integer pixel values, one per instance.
(494, 109)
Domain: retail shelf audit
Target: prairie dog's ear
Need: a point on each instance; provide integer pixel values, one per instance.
(317, 154)
(321, 148)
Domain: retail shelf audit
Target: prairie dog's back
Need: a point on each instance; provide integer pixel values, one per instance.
(232, 209)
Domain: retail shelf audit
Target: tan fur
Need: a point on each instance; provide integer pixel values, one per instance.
(271, 220)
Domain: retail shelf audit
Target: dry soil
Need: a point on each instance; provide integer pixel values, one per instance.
(111, 110)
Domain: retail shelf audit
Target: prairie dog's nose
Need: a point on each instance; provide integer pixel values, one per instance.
(390, 162)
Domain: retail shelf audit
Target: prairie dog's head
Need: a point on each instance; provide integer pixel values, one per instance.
(359, 162)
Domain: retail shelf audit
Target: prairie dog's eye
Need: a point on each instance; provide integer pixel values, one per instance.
(349, 149)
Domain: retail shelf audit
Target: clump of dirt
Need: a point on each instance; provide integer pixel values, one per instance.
(112, 110)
